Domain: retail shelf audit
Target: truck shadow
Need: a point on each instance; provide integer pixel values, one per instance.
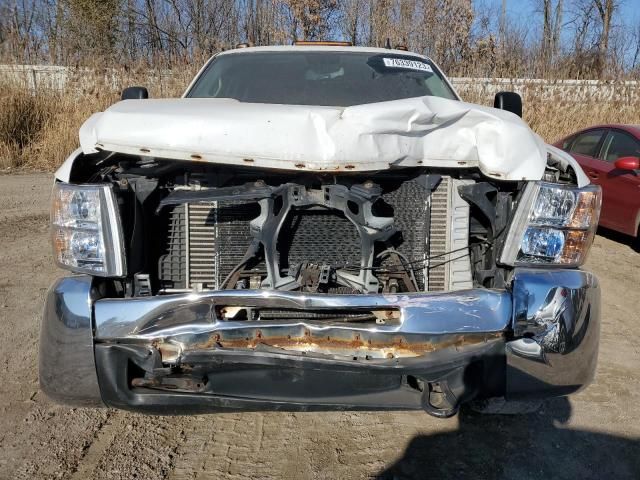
(532, 446)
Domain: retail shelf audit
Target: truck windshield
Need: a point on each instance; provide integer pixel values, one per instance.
(319, 78)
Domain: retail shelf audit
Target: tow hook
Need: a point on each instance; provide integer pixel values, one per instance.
(437, 398)
(439, 401)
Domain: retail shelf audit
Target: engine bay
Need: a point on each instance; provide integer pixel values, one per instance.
(196, 228)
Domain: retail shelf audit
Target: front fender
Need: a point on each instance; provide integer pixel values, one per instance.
(63, 174)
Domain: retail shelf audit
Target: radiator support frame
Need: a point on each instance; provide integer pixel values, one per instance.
(353, 203)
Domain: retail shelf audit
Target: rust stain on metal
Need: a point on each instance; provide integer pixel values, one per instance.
(391, 347)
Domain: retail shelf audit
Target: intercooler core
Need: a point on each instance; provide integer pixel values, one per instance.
(207, 240)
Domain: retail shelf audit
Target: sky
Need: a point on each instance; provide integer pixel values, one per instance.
(629, 10)
(528, 12)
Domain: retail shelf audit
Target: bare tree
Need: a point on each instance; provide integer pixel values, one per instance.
(467, 37)
(552, 13)
(635, 59)
(311, 19)
(606, 9)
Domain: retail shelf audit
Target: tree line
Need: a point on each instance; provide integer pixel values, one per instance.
(547, 38)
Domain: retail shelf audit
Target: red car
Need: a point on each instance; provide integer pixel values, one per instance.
(610, 156)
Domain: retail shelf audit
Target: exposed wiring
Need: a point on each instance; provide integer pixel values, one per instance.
(408, 267)
(422, 263)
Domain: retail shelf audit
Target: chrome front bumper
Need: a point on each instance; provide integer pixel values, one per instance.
(176, 353)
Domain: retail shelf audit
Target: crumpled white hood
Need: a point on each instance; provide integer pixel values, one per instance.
(424, 131)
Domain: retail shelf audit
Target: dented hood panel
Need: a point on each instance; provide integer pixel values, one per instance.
(424, 131)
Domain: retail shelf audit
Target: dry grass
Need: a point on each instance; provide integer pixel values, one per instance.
(23, 116)
(59, 137)
(553, 121)
(38, 131)
(554, 114)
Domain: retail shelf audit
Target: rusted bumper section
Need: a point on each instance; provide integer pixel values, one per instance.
(362, 326)
(255, 349)
(294, 350)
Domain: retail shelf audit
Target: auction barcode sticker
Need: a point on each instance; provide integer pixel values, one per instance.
(404, 63)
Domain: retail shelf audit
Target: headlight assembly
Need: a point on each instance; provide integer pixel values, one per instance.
(554, 224)
(86, 230)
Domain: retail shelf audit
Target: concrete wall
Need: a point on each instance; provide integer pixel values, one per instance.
(59, 78)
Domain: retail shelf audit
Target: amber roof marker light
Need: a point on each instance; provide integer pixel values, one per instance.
(323, 43)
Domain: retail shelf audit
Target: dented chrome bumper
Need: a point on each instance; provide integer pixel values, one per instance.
(556, 331)
(186, 353)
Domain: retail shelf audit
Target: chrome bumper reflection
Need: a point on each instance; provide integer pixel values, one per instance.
(67, 370)
(557, 316)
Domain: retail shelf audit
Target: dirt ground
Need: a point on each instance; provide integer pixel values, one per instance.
(595, 434)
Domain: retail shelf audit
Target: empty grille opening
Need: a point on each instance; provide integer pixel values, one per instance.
(322, 237)
(205, 241)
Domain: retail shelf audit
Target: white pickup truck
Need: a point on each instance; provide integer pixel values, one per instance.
(318, 227)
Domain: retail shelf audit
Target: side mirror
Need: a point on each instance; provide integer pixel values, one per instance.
(628, 163)
(134, 93)
(509, 101)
